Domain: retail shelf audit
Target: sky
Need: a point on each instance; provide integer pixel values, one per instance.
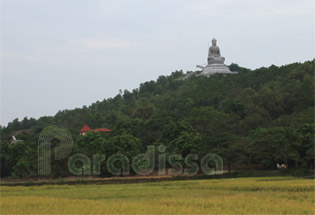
(63, 54)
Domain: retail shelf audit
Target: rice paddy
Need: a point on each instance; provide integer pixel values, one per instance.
(268, 195)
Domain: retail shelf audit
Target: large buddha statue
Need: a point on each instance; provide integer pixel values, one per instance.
(214, 56)
(215, 62)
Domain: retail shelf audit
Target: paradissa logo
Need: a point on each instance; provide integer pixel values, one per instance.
(118, 164)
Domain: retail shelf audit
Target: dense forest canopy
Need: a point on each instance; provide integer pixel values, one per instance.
(263, 116)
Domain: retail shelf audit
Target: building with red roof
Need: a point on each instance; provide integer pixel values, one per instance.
(87, 129)
(102, 130)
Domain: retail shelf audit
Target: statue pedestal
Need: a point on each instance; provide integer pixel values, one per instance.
(216, 68)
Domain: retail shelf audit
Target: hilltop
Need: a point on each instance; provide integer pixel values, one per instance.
(263, 116)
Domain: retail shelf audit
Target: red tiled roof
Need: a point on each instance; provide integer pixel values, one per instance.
(102, 129)
(85, 128)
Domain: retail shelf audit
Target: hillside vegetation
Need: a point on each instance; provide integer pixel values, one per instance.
(264, 116)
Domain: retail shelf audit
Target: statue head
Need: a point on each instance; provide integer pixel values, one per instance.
(214, 42)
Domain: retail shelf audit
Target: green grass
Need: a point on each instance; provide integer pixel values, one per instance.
(269, 195)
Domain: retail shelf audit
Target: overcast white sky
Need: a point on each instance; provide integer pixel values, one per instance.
(63, 54)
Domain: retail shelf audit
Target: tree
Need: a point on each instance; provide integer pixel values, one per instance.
(274, 145)
(179, 138)
(306, 145)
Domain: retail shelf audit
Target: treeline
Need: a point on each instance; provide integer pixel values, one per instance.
(264, 116)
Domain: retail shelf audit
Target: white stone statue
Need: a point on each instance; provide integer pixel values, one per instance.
(214, 55)
(215, 62)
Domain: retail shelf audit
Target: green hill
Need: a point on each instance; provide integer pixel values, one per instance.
(264, 116)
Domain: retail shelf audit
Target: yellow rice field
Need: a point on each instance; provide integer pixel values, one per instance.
(270, 195)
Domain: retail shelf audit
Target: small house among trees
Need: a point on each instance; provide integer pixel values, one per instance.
(86, 129)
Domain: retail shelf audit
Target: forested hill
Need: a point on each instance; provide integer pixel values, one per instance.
(264, 116)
